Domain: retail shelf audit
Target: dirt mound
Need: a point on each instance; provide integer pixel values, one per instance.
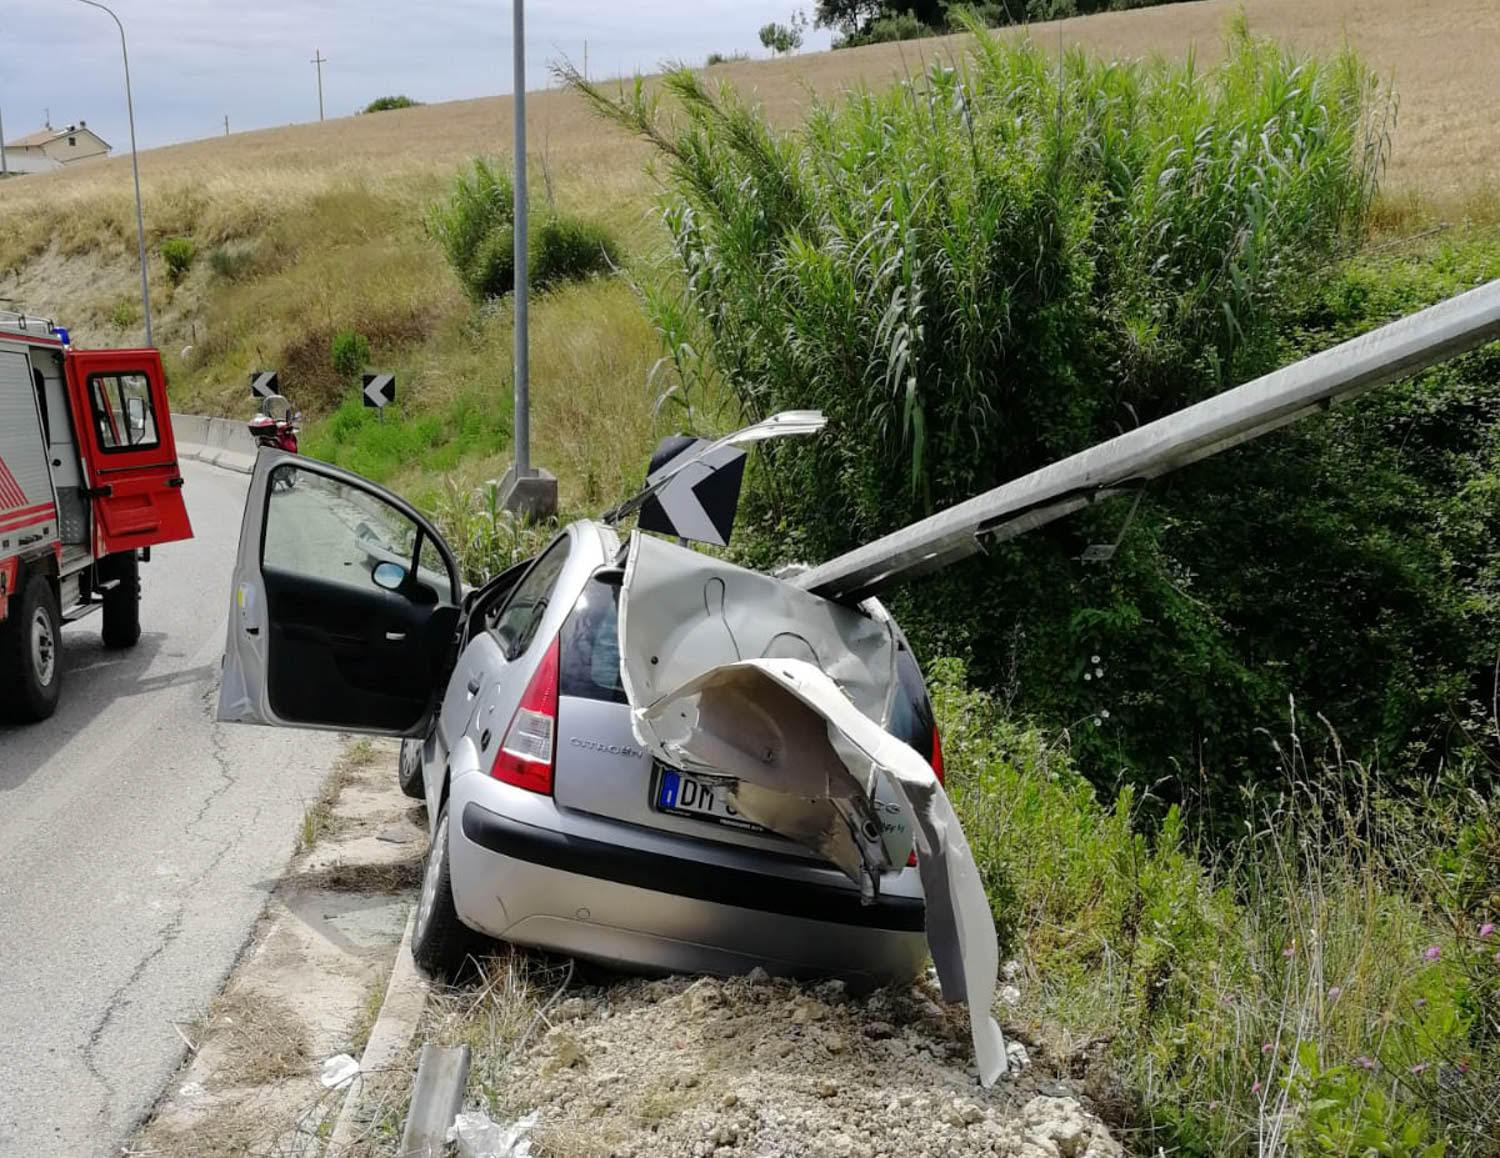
(764, 1069)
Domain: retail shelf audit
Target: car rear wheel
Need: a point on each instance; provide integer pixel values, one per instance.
(31, 653)
(409, 770)
(122, 602)
(440, 943)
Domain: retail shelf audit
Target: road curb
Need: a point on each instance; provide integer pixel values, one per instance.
(395, 1026)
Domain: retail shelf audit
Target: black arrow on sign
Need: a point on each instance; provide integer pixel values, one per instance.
(379, 390)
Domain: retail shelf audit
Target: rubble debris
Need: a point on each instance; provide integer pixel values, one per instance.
(886, 1073)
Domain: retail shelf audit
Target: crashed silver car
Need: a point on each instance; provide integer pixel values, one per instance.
(630, 751)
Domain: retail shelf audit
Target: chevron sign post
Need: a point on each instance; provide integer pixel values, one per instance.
(700, 502)
(264, 384)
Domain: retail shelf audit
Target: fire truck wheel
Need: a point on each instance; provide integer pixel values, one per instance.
(31, 653)
(122, 604)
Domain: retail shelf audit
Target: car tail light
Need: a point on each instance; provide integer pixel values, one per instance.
(936, 761)
(528, 752)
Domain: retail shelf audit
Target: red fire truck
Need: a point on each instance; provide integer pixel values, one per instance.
(88, 485)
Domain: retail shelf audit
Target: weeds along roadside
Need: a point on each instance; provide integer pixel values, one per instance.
(1329, 984)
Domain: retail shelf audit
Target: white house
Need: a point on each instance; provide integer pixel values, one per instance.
(47, 148)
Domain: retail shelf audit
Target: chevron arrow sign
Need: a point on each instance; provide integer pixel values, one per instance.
(700, 502)
(264, 384)
(379, 390)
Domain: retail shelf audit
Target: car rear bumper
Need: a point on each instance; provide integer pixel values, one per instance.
(671, 907)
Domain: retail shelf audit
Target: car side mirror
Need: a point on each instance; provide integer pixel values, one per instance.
(391, 576)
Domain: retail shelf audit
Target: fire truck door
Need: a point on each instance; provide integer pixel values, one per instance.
(130, 459)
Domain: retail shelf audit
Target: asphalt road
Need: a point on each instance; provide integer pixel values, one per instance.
(138, 841)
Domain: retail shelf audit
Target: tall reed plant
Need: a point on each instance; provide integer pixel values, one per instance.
(1005, 258)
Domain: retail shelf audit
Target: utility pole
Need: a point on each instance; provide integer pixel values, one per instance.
(226, 124)
(4, 171)
(524, 489)
(319, 60)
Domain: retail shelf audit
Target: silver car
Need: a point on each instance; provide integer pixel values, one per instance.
(550, 826)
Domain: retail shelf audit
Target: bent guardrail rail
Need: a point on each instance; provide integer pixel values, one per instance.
(1196, 432)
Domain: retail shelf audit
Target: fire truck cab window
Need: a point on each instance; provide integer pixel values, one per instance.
(124, 418)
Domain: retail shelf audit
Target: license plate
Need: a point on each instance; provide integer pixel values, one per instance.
(679, 794)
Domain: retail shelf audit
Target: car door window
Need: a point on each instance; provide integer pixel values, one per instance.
(517, 623)
(321, 528)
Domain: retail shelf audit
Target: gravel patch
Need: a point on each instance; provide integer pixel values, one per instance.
(760, 1068)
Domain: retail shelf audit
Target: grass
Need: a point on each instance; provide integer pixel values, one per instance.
(318, 818)
(1324, 986)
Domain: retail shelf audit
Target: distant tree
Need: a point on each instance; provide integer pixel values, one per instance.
(724, 58)
(866, 21)
(382, 104)
(784, 38)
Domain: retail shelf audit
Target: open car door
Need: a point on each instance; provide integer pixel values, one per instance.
(120, 397)
(343, 607)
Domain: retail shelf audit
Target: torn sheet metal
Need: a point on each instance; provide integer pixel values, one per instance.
(735, 674)
(683, 614)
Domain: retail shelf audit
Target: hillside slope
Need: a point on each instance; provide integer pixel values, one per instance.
(306, 230)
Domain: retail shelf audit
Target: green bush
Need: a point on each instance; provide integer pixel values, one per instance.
(474, 227)
(990, 268)
(231, 261)
(386, 103)
(725, 58)
(127, 312)
(350, 354)
(569, 249)
(178, 253)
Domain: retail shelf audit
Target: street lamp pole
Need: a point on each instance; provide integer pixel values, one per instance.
(135, 168)
(522, 353)
(526, 489)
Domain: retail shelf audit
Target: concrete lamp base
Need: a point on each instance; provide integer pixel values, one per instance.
(533, 496)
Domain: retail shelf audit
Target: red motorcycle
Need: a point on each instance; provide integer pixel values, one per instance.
(277, 434)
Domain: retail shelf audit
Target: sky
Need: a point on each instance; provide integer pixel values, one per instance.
(192, 62)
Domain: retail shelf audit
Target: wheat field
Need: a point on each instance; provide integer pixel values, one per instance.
(1443, 57)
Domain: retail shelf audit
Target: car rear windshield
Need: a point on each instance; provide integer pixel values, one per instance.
(590, 646)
